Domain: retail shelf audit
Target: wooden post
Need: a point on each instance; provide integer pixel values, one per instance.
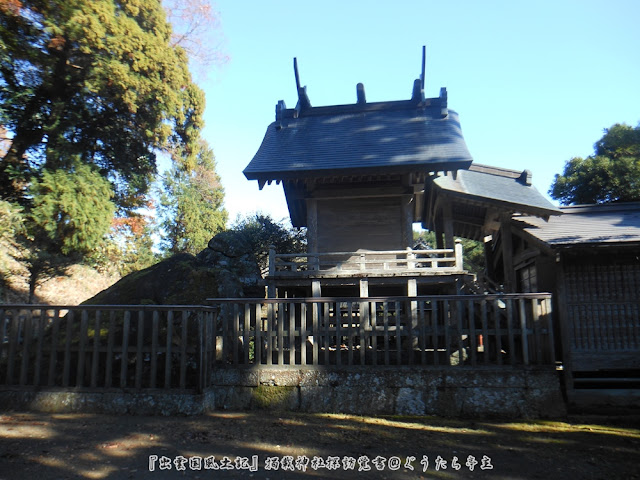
(271, 286)
(448, 225)
(458, 254)
(507, 254)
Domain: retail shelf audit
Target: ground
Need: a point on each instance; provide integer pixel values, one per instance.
(65, 446)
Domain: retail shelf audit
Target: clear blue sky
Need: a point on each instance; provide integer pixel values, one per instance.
(534, 83)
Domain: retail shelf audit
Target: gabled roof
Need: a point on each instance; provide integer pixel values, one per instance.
(417, 135)
(602, 224)
(509, 189)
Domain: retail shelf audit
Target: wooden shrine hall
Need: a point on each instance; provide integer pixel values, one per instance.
(358, 177)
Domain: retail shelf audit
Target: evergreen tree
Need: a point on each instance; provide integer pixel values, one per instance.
(94, 79)
(191, 205)
(611, 175)
(69, 217)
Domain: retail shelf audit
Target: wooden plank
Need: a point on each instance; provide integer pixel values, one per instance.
(374, 338)
(269, 347)
(39, 354)
(108, 374)
(184, 340)
(236, 332)
(155, 327)
(350, 332)
(168, 361)
(67, 350)
(447, 330)
(548, 316)
(126, 326)
(258, 335)
(338, 315)
(498, 330)
(95, 358)
(473, 344)
(512, 344)
(326, 321)
(53, 354)
(304, 334)
(385, 318)
(459, 310)
(435, 313)
(315, 314)
(26, 341)
(246, 332)
(139, 347)
(3, 331)
(398, 334)
(423, 332)
(84, 325)
(14, 329)
(281, 311)
(537, 332)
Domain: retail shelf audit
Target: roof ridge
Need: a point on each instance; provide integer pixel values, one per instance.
(599, 207)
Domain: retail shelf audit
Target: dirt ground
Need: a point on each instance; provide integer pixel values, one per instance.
(66, 446)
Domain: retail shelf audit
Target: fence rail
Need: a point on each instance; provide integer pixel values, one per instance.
(390, 261)
(176, 347)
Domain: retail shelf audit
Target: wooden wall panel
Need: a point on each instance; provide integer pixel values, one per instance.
(360, 223)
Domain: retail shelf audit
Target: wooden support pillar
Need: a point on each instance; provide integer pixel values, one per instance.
(439, 234)
(364, 287)
(448, 225)
(316, 289)
(507, 253)
(312, 225)
(407, 221)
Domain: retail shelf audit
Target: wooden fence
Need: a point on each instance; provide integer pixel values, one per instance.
(175, 347)
(104, 346)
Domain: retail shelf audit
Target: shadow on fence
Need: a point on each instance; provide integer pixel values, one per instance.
(176, 347)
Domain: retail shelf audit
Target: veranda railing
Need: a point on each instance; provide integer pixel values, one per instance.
(176, 347)
(370, 262)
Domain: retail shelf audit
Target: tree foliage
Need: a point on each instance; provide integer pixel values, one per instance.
(94, 79)
(191, 205)
(612, 174)
(70, 214)
(258, 232)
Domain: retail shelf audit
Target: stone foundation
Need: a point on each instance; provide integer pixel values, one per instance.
(459, 392)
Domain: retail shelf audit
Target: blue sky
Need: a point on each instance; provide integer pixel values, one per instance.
(534, 83)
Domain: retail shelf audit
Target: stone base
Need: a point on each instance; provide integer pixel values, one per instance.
(459, 392)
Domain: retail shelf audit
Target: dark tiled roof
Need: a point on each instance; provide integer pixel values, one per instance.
(606, 224)
(385, 137)
(508, 188)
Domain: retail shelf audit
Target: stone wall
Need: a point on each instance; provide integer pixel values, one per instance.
(530, 392)
(459, 392)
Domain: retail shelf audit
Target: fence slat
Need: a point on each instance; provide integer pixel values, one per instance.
(512, 344)
(95, 357)
(40, 345)
(183, 350)
(124, 364)
(139, 353)
(108, 375)
(84, 320)
(155, 325)
(26, 341)
(67, 350)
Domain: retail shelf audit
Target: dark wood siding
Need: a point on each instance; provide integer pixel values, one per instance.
(360, 223)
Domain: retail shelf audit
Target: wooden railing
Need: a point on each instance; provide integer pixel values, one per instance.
(514, 329)
(369, 262)
(104, 346)
(175, 347)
